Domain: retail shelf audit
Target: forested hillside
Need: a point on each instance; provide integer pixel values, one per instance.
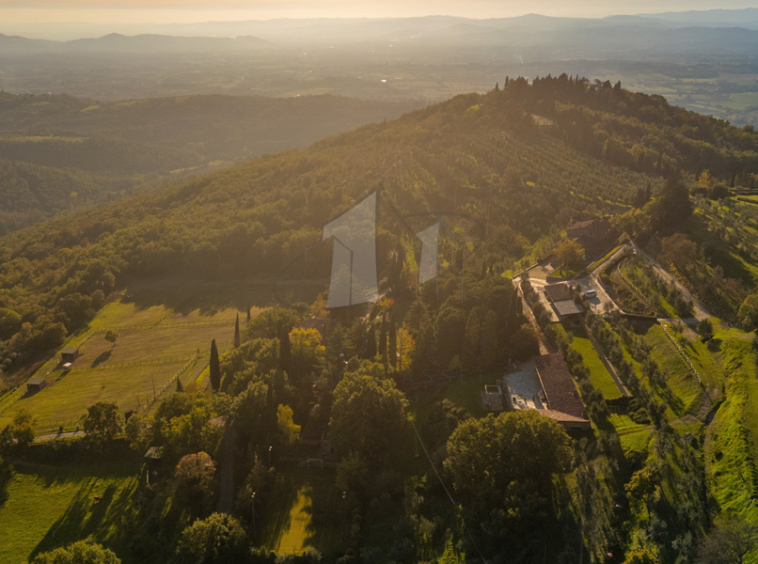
(31, 193)
(119, 148)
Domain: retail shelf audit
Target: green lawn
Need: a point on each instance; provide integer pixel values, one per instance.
(48, 506)
(161, 343)
(66, 400)
(305, 511)
(599, 375)
(730, 453)
(633, 437)
(155, 343)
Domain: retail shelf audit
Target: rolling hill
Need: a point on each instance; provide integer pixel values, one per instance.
(106, 150)
(482, 155)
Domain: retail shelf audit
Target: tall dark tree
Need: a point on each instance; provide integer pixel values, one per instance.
(383, 338)
(509, 501)
(392, 347)
(370, 419)
(214, 367)
(249, 318)
(217, 539)
(102, 423)
(19, 435)
(237, 339)
(371, 343)
(675, 204)
(705, 330)
(731, 541)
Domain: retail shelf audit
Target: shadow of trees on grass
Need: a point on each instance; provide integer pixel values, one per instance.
(87, 516)
(326, 519)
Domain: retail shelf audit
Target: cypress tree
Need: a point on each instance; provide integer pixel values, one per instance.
(237, 339)
(371, 343)
(392, 352)
(248, 313)
(179, 387)
(214, 367)
(383, 338)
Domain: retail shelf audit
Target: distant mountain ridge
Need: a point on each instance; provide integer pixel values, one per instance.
(116, 42)
(554, 38)
(341, 29)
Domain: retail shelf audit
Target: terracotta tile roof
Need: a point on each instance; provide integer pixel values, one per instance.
(560, 391)
(567, 307)
(562, 417)
(559, 292)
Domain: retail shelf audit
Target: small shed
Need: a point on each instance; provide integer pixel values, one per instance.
(69, 354)
(36, 384)
(154, 454)
(153, 458)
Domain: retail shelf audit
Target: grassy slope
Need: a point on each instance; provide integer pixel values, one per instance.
(599, 375)
(731, 448)
(680, 379)
(155, 345)
(633, 436)
(48, 506)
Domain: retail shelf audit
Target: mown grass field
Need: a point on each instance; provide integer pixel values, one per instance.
(48, 506)
(65, 401)
(599, 375)
(163, 332)
(633, 436)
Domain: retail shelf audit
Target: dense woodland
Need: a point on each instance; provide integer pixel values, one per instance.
(112, 150)
(518, 165)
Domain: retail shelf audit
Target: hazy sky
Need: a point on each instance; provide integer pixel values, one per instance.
(185, 11)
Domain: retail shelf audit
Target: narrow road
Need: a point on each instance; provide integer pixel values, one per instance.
(544, 348)
(602, 301)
